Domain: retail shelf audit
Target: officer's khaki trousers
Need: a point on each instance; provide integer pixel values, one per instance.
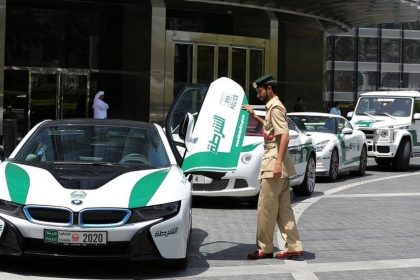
(274, 206)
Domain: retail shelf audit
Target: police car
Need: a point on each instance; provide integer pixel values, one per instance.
(112, 188)
(391, 122)
(339, 147)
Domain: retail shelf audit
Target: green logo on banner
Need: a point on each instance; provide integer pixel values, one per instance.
(218, 126)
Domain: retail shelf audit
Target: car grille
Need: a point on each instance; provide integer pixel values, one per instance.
(95, 217)
(240, 184)
(49, 215)
(369, 133)
(103, 217)
(382, 149)
(215, 185)
(219, 185)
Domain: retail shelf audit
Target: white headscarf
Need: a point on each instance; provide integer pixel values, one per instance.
(99, 106)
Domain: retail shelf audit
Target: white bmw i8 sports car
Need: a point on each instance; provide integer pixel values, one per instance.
(339, 146)
(113, 188)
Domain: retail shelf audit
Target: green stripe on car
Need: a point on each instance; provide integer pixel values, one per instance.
(300, 153)
(18, 182)
(249, 148)
(146, 187)
(415, 137)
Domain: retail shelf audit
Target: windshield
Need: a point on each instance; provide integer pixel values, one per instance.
(95, 144)
(254, 128)
(383, 106)
(322, 124)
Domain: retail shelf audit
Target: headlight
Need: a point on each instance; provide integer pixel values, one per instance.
(11, 208)
(384, 135)
(321, 145)
(155, 212)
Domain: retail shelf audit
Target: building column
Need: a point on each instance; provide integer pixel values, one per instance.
(274, 44)
(157, 61)
(2, 51)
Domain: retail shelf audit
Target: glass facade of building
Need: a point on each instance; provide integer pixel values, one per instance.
(385, 56)
(56, 54)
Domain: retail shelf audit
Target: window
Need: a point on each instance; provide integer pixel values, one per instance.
(341, 125)
(411, 51)
(390, 51)
(390, 80)
(411, 80)
(344, 48)
(366, 81)
(368, 49)
(384, 106)
(344, 81)
(416, 106)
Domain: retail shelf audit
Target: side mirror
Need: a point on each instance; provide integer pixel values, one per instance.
(293, 134)
(2, 157)
(350, 115)
(347, 130)
(416, 116)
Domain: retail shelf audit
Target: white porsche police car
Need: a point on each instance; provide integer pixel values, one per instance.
(111, 188)
(339, 147)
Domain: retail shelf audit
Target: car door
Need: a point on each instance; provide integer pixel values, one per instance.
(296, 151)
(215, 141)
(348, 141)
(415, 128)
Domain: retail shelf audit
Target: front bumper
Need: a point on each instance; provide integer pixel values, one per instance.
(227, 187)
(322, 164)
(381, 149)
(136, 241)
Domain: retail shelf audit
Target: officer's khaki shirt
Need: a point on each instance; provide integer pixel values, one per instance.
(275, 123)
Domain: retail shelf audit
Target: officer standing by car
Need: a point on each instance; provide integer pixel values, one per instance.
(276, 167)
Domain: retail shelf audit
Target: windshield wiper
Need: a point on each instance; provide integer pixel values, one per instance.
(389, 115)
(369, 115)
(88, 163)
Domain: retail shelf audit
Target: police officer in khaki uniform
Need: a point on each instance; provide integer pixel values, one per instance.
(276, 167)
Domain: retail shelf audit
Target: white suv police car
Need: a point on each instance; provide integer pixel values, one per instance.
(391, 122)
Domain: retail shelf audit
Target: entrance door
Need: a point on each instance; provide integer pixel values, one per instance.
(57, 94)
(199, 58)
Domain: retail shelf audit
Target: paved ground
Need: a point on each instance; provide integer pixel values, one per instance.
(356, 228)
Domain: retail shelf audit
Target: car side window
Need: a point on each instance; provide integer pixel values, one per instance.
(416, 106)
(341, 125)
(291, 125)
(348, 124)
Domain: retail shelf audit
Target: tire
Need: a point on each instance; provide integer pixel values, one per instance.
(179, 264)
(402, 159)
(334, 163)
(308, 185)
(363, 162)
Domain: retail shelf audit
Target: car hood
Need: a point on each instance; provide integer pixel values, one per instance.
(379, 122)
(318, 137)
(25, 184)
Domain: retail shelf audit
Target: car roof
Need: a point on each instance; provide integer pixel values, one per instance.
(109, 122)
(406, 93)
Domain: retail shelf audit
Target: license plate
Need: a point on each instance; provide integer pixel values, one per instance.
(200, 179)
(75, 237)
